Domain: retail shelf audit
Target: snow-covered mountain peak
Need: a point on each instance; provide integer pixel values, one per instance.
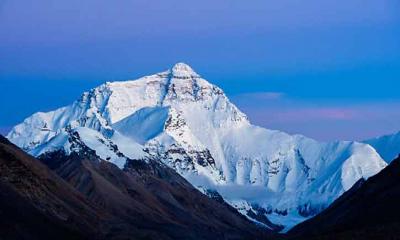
(101, 107)
(183, 71)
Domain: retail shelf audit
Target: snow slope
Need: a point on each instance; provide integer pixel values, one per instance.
(387, 146)
(188, 123)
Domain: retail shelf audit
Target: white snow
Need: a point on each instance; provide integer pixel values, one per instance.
(144, 124)
(96, 141)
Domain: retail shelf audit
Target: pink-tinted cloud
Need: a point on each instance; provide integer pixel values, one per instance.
(261, 96)
(305, 114)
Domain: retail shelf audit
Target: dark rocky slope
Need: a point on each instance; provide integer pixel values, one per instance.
(149, 200)
(90, 198)
(369, 210)
(37, 204)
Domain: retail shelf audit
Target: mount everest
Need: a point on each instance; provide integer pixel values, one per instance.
(181, 119)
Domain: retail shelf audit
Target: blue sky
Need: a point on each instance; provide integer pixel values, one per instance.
(326, 69)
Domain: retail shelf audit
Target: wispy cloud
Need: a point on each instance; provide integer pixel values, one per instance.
(321, 113)
(266, 96)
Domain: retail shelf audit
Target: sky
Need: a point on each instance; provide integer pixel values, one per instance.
(325, 69)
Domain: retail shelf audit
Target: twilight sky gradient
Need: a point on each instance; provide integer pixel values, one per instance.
(326, 69)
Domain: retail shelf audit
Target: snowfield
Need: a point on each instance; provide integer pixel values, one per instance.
(179, 118)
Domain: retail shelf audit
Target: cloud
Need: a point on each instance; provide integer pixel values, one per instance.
(320, 113)
(266, 96)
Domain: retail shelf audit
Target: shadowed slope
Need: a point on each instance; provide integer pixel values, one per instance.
(37, 204)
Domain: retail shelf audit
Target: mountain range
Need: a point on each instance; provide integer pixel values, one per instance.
(176, 118)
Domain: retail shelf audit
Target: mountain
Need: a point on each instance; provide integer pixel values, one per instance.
(369, 210)
(94, 199)
(387, 146)
(189, 124)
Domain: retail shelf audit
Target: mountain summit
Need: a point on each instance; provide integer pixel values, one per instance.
(182, 70)
(182, 120)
